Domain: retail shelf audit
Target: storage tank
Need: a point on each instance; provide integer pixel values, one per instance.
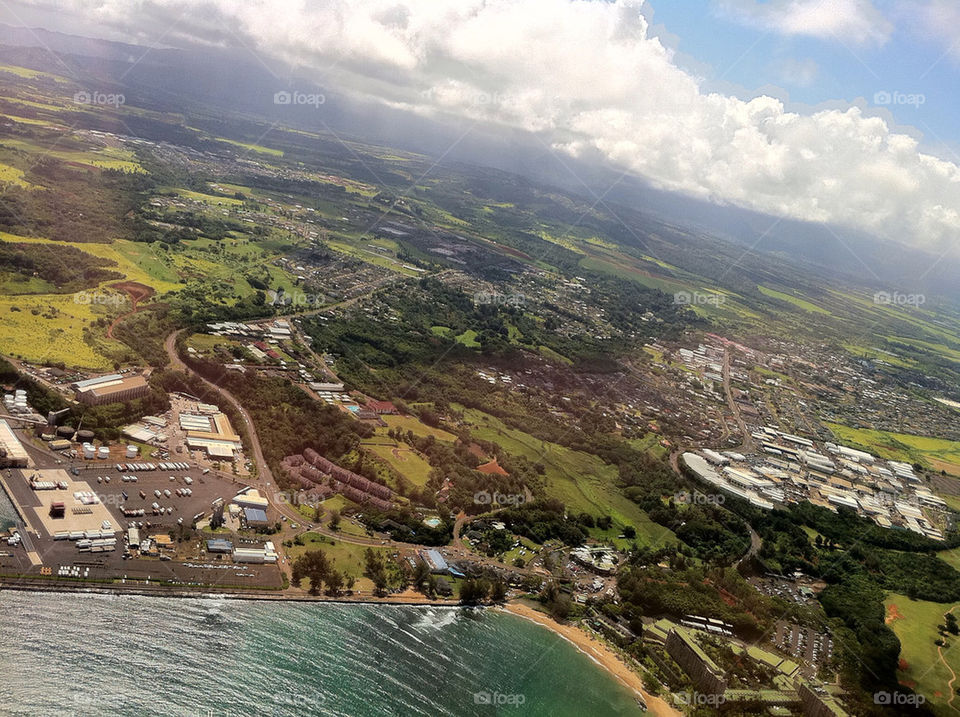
(89, 451)
(132, 451)
(65, 431)
(103, 453)
(85, 436)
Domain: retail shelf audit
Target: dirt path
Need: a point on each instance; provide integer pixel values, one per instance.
(953, 675)
(137, 293)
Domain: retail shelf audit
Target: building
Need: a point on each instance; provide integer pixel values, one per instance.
(705, 674)
(111, 389)
(257, 556)
(210, 432)
(12, 452)
(219, 545)
(255, 517)
(434, 561)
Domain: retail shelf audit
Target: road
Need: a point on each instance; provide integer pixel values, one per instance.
(747, 444)
(263, 470)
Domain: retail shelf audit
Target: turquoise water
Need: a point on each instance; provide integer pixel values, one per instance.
(76, 654)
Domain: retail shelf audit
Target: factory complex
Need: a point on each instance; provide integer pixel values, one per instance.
(791, 469)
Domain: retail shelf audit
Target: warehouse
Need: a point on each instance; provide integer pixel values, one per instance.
(111, 389)
(255, 517)
(12, 452)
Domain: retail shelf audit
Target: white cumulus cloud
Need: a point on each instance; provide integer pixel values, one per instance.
(856, 21)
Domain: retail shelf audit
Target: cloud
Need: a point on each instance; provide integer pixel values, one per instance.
(939, 20)
(592, 81)
(856, 21)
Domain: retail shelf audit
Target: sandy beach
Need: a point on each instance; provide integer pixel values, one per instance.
(599, 652)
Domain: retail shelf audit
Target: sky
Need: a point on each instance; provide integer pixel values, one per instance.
(833, 111)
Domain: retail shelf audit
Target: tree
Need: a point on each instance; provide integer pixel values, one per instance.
(375, 570)
(334, 519)
(334, 583)
(498, 592)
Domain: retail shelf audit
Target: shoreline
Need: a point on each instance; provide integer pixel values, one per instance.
(199, 594)
(599, 653)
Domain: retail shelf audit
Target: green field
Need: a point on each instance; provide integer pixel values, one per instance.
(403, 460)
(469, 338)
(582, 481)
(915, 624)
(796, 301)
(409, 423)
(347, 557)
(936, 453)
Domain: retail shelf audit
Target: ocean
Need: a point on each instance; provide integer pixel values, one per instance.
(83, 654)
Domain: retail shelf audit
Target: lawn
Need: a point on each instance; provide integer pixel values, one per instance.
(403, 460)
(420, 429)
(582, 481)
(347, 557)
(921, 662)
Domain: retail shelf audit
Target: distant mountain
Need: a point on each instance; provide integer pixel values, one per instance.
(205, 78)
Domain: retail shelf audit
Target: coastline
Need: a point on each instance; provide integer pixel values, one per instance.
(599, 653)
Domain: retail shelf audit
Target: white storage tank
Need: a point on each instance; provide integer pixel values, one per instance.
(132, 451)
(89, 451)
(103, 453)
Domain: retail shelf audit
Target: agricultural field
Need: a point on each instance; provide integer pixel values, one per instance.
(583, 482)
(802, 304)
(924, 666)
(13, 176)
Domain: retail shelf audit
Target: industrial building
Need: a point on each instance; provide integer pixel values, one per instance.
(114, 388)
(12, 452)
(210, 431)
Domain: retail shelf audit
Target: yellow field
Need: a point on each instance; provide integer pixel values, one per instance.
(54, 332)
(12, 175)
